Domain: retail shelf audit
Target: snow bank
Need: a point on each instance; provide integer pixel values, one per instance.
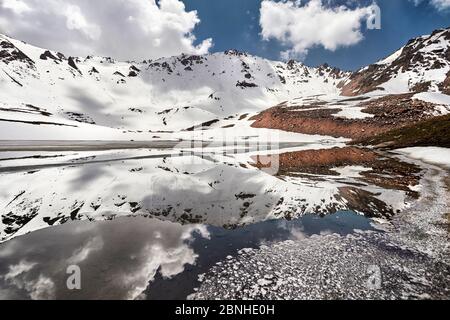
(436, 155)
(433, 97)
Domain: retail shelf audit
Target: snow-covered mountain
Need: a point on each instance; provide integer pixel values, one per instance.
(423, 64)
(100, 97)
(43, 86)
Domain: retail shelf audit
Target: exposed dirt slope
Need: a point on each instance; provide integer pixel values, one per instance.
(388, 113)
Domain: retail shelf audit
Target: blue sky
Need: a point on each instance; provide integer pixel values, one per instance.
(274, 29)
(235, 24)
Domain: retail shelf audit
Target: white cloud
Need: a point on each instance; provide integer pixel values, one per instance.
(124, 29)
(301, 27)
(76, 21)
(16, 6)
(440, 5)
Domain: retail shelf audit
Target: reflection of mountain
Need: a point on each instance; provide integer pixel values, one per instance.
(220, 190)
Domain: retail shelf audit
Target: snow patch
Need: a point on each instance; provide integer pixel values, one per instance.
(435, 155)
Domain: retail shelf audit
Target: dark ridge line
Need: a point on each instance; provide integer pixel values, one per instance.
(25, 111)
(40, 122)
(32, 157)
(14, 80)
(15, 198)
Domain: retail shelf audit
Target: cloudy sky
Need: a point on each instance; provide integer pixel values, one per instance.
(314, 31)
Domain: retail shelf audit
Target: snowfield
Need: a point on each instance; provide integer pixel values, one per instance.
(435, 155)
(433, 97)
(441, 100)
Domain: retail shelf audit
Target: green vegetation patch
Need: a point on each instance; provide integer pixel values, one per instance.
(432, 132)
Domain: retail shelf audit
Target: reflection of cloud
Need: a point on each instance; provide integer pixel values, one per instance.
(200, 229)
(6, 294)
(82, 253)
(170, 262)
(19, 276)
(41, 289)
(117, 258)
(296, 231)
(18, 269)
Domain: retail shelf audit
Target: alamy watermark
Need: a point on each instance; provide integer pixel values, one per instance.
(374, 17)
(261, 151)
(73, 281)
(374, 280)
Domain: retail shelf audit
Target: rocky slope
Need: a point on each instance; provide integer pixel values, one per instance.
(352, 118)
(408, 87)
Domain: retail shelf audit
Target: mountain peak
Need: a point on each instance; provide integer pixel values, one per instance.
(422, 64)
(169, 92)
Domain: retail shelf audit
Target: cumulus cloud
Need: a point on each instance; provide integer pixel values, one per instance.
(16, 6)
(440, 5)
(301, 27)
(124, 29)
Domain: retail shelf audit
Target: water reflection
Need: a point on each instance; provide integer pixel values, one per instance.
(117, 259)
(139, 258)
(227, 191)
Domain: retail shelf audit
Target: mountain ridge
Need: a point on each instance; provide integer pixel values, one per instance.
(216, 82)
(421, 59)
(180, 92)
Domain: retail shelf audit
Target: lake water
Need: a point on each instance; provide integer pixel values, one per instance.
(144, 224)
(119, 259)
